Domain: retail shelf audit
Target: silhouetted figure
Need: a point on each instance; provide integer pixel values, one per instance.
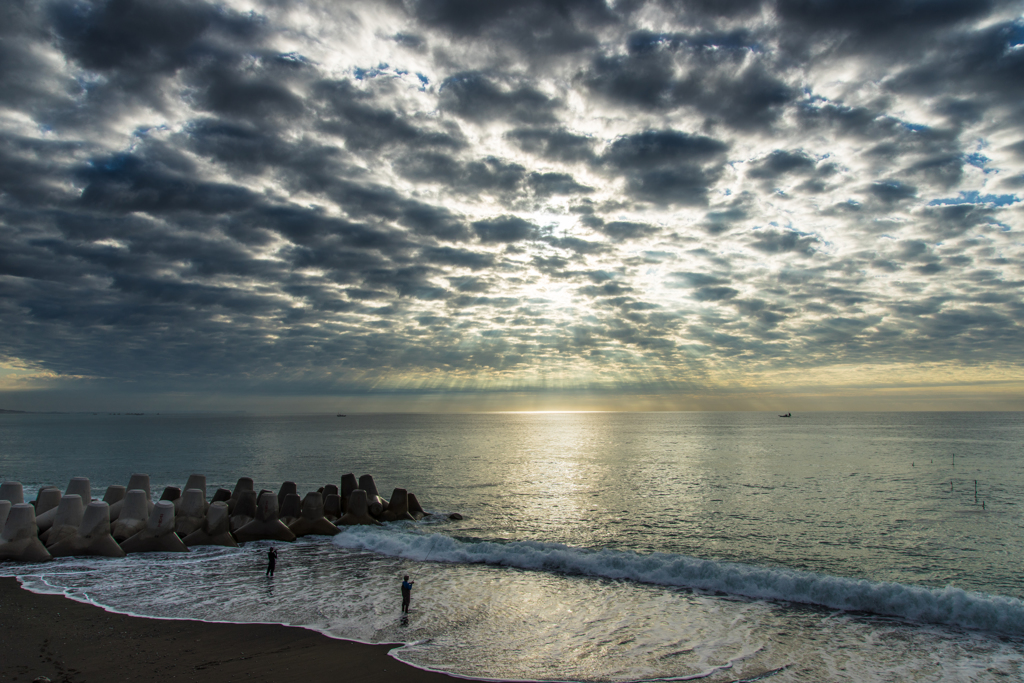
(406, 594)
(271, 561)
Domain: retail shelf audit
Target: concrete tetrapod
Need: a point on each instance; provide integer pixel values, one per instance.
(267, 526)
(134, 515)
(141, 482)
(216, 528)
(44, 520)
(348, 485)
(221, 495)
(292, 508)
(12, 491)
(398, 507)
(171, 493)
(357, 512)
(67, 520)
(47, 499)
(286, 488)
(80, 486)
(158, 536)
(312, 521)
(332, 507)
(244, 484)
(5, 509)
(114, 493)
(137, 482)
(191, 513)
(20, 538)
(415, 509)
(244, 510)
(93, 536)
(375, 504)
(328, 490)
(196, 481)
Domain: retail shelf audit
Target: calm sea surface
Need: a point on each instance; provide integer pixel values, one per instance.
(596, 546)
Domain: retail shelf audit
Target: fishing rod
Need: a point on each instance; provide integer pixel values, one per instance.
(433, 542)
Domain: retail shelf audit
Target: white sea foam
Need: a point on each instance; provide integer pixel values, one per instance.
(950, 606)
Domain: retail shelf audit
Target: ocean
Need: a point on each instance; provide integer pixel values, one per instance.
(594, 546)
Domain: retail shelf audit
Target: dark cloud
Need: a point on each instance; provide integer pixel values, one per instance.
(875, 18)
(684, 185)
(719, 75)
(780, 163)
(667, 167)
(780, 242)
(944, 170)
(692, 279)
(547, 184)
(474, 96)
(661, 148)
(411, 41)
(892, 190)
(126, 182)
(557, 144)
(714, 293)
(490, 174)
(350, 113)
(462, 258)
(142, 37)
(727, 215)
(504, 229)
(624, 230)
(253, 96)
(534, 26)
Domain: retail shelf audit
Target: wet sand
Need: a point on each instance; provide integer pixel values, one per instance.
(64, 640)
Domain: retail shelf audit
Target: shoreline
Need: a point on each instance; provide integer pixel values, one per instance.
(74, 642)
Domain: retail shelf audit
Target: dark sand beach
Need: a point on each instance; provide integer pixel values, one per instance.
(64, 640)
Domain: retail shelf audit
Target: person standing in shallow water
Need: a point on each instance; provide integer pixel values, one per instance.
(271, 561)
(406, 593)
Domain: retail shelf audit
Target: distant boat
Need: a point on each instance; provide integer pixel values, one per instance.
(787, 415)
(340, 415)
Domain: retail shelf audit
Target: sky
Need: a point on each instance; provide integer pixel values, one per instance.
(451, 205)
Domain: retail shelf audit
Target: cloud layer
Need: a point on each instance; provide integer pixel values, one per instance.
(319, 198)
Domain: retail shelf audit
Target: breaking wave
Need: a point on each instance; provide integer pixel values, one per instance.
(950, 606)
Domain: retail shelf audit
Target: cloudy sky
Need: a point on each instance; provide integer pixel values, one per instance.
(514, 204)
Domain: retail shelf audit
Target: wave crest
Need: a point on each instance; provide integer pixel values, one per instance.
(950, 606)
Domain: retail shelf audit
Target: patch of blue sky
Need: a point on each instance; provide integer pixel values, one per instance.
(1015, 35)
(381, 69)
(975, 197)
(144, 131)
(1003, 227)
(977, 159)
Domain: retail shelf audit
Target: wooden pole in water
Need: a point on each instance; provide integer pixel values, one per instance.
(975, 491)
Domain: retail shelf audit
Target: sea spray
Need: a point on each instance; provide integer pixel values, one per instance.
(950, 605)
